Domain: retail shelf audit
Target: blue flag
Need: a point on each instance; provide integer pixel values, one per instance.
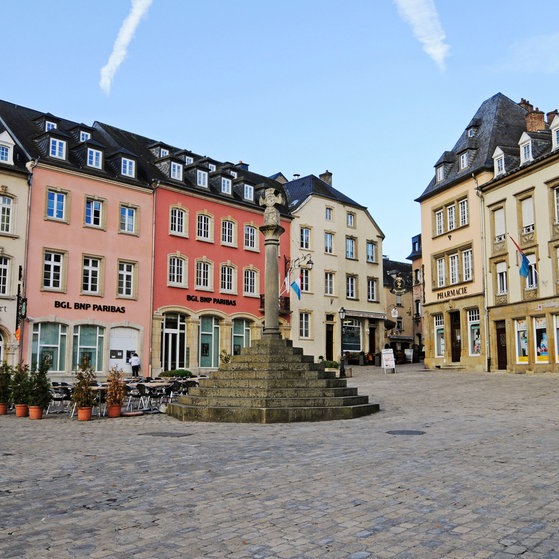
(524, 262)
(296, 286)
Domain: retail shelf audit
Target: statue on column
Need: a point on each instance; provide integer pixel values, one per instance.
(269, 198)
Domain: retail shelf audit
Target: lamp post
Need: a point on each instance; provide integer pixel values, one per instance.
(341, 312)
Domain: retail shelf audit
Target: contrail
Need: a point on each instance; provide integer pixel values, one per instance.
(423, 18)
(120, 48)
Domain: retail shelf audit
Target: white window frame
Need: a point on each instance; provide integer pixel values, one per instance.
(126, 282)
(201, 178)
(350, 248)
(4, 274)
(91, 275)
(305, 238)
(57, 203)
(305, 280)
(227, 279)
(499, 165)
(502, 280)
(128, 220)
(203, 275)
(228, 236)
(250, 282)
(372, 289)
(451, 217)
(440, 173)
(464, 160)
(176, 270)
(526, 152)
(204, 227)
(467, 265)
(176, 171)
(527, 209)
(53, 270)
(6, 214)
(57, 148)
(226, 185)
(304, 325)
(94, 158)
(441, 272)
(250, 237)
(351, 287)
(556, 205)
(463, 212)
(4, 154)
(128, 167)
(499, 224)
(453, 268)
(248, 192)
(329, 278)
(84, 136)
(329, 213)
(532, 279)
(371, 251)
(350, 219)
(177, 221)
(439, 222)
(93, 212)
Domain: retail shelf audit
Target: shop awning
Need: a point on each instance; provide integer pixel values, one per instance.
(365, 314)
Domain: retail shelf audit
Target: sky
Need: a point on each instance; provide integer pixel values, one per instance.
(373, 91)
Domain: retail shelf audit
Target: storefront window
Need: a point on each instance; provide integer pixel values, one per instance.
(540, 338)
(474, 337)
(209, 341)
(174, 353)
(556, 318)
(351, 334)
(241, 335)
(49, 341)
(439, 335)
(87, 348)
(521, 341)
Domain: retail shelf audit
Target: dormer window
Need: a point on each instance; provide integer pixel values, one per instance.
(164, 152)
(6, 149)
(464, 160)
(499, 165)
(94, 158)
(526, 152)
(233, 174)
(212, 167)
(4, 154)
(202, 178)
(84, 136)
(555, 133)
(49, 125)
(188, 160)
(472, 132)
(440, 173)
(226, 185)
(57, 148)
(176, 171)
(248, 192)
(128, 167)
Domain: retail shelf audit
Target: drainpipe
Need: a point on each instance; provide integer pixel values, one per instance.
(154, 185)
(479, 194)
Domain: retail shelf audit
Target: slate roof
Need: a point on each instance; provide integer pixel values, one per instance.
(499, 121)
(392, 266)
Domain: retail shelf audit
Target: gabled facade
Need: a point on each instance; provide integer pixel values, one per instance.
(344, 244)
(455, 326)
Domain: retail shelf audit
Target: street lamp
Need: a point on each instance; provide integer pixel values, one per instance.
(341, 312)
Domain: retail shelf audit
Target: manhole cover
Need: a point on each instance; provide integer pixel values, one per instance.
(166, 434)
(406, 432)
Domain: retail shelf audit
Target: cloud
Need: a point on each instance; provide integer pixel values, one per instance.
(533, 55)
(423, 18)
(126, 33)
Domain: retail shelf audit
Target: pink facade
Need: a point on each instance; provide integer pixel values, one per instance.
(87, 281)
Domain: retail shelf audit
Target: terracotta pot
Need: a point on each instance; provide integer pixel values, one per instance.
(22, 410)
(35, 412)
(84, 414)
(3, 409)
(113, 410)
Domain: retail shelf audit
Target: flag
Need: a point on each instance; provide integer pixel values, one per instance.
(296, 286)
(524, 262)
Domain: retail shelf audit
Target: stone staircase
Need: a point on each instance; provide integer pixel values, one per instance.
(271, 382)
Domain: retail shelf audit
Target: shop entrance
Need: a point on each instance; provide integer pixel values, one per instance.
(501, 332)
(329, 350)
(455, 336)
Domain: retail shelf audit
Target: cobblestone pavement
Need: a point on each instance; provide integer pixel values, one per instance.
(455, 465)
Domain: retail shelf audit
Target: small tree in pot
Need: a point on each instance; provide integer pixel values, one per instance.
(5, 378)
(83, 394)
(116, 392)
(19, 389)
(40, 392)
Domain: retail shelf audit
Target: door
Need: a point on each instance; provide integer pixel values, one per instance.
(455, 336)
(501, 332)
(329, 342)
(209, 342)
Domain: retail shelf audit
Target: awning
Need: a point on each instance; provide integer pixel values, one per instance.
(365, 314)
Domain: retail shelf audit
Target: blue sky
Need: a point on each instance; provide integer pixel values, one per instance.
(372, 90)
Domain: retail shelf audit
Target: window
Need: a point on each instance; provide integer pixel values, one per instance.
(351, 334)
(52, 270)
(417, 276)
(464, 160)
(451, 217)
(556, 204)
(304, 325)
(56, 205)
(249, 282)
(203, 275)
(93, 212)
(541, 349)
(328, 243)
(177, 271)
(439, 335)
(305, 238)
(49, 339)
(163, 152)
(329, 214)
(250, 237)
(228, 232)
(248, 192)
(177, 222)
(305, 279)
(527, 208)
(502, 284)
(4, 275)
(127, 219)
(91, 275)
(526, 152)
(532, 279)
(351, 287)
(128, 167)
(329, 283)
(225, 185)
(453, 268)
(5, 214)
(203, 227)
(94, 158)
(87, 346)
(350, 219)
(57, 148)
(212, 167)
(176, 171)
(499, 224)
(371, 289)
(439, 222)
(202, 178)
(227, 279)
(126, 279)
(441, 272)
(4, 154)
(463, 212)
(474, 338)
(440, 173)
(350, 248)
(84, 136)
(371, 251)
(467, 269)
(499, 168)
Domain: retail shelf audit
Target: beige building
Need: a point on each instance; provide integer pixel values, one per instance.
(336, 263)
(452, 229)
(521, 205)
(418, 293)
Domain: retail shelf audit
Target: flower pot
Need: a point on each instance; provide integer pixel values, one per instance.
(22, 410)
(113, 410)
(84, 414)
(3, 409)
(35, 412)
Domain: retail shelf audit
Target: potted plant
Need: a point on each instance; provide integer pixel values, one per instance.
(40, 392)
(116, 392)
(83, 394)
(5, 377)
(19, 389)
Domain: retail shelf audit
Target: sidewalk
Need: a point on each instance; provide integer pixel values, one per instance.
(455, 465)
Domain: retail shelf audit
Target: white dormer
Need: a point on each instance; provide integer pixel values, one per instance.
(6, 148)
(49, 125)
(248, 192)
(498, 162)
(555, 133)
(440, 173)
(525, 144)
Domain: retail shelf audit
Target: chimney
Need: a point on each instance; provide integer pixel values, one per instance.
(535, 121)
(242, 165)
(551, 115)
(326, 177)
(525, 104)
